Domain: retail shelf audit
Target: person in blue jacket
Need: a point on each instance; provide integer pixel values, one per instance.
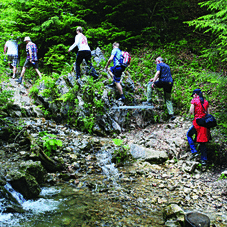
(117, 69)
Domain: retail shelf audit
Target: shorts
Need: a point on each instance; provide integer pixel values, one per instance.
(117, 71)
(167, 86)
(28, 64)
(12, 59)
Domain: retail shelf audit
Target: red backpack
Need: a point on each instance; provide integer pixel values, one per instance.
(126, 58)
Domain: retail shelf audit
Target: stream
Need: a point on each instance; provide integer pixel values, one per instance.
(100, 194)
(66, 205)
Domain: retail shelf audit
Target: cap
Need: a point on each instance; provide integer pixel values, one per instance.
(27, 38)
(196, 91)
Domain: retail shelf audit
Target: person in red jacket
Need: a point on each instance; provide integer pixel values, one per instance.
(199, 107)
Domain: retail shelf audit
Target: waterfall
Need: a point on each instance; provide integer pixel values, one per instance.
(104, 161)
(32, 207)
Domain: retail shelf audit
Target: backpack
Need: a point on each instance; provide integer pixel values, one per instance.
(126, 59)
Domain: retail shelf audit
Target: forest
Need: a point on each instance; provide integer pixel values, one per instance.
(111, 162)
(190, 35)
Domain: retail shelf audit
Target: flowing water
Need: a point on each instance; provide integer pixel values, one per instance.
(67, 205)
(105, 198)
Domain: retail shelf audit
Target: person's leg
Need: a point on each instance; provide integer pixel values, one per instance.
(88, 61)
(117, 71)
(149, 92)
(169, 103)
(203, 151)
(79, 60)
(22, 72)
(38, 72)
(14, 64)
(119, 87)
(190, 133)
(110, 72)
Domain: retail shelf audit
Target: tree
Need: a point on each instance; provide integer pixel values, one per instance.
(214, 23)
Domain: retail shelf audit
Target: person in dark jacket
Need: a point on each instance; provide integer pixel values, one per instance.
(162, 79)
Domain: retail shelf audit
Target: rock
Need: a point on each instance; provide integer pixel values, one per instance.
(173, 212)
(149, 155)
(35, 169)
(24, 183)
(189, 166)
(8, 203)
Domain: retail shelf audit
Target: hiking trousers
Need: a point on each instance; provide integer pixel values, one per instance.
(167, 87)
(202, 146)
(85, 54)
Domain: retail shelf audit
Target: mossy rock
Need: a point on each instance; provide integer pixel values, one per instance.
(24, 183)
(35, 169)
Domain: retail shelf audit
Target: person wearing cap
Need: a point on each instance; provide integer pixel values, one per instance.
(199, 108)
(162, 79)
(116, 70)
(84, 52)
(31, 60)
(11, 46)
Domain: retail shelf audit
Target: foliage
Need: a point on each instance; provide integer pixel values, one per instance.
(214, 23)
(49, 142)
(5, 99)
(120, 154)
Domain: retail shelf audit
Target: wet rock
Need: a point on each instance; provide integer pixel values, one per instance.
(8, 203)
(24, 183)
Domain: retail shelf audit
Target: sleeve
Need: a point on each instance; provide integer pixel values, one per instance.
(75, 43)
(193, 101)
(114, 52)
(158, 68)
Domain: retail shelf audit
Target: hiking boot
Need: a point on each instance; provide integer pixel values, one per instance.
(111, 85)
(172, 117)
(122, 98)
(194, 156)
(203, 162)
(19, 81)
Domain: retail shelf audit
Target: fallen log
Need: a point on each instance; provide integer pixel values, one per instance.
(48, 163)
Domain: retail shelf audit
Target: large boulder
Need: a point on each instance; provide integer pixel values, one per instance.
(147, 154)
(35, 169)
(24, 183)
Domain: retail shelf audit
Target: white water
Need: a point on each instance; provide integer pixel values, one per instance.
(32, 207)
(108, 168)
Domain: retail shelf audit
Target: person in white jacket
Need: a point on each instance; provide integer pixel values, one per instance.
(84, 52)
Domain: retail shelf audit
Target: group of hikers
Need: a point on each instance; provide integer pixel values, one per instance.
(162, 79)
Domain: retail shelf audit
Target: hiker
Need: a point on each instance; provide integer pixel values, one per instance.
(11, 46)
(31, 60)
(116, 70)
(162, 79)
(84, 52)
(198, 107)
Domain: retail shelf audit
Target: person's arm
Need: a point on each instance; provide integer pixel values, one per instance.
(109, 60)
(75, 43)
(192, 109)
(156, 76)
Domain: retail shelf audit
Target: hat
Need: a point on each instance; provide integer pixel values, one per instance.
(27, 38)
(196, 91)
